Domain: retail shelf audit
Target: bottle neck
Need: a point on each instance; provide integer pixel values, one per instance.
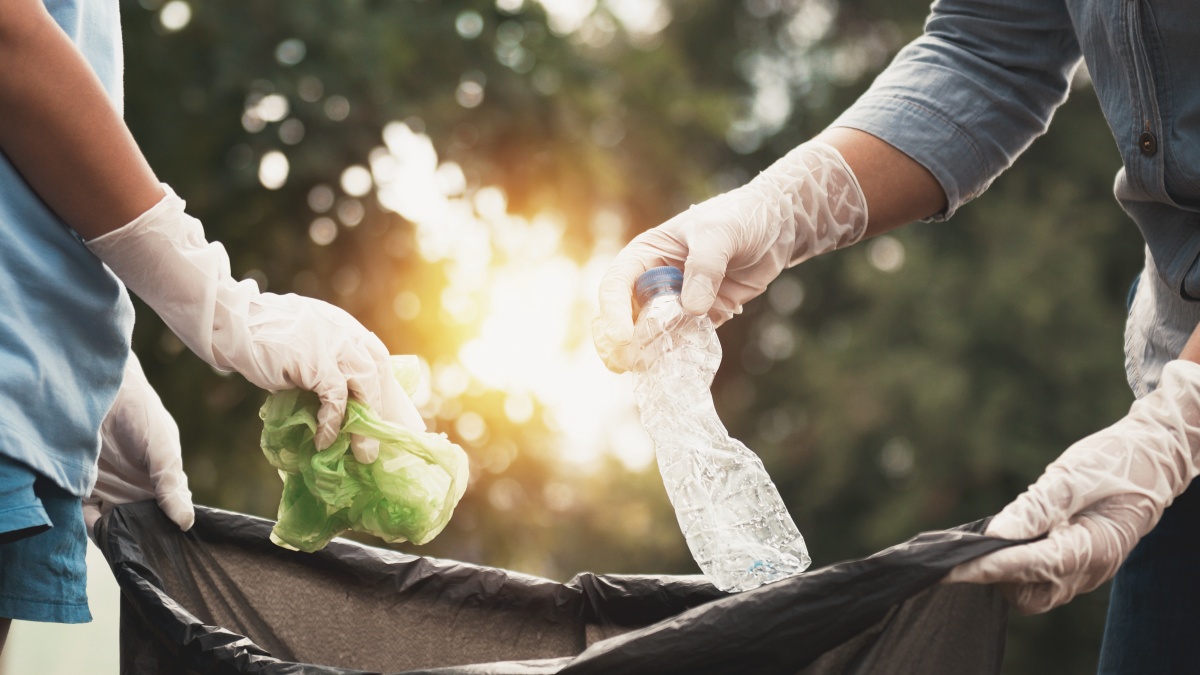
(664, 292)
(662, 301)
(657, 281)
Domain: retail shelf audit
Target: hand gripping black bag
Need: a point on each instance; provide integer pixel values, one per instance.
(223, 599)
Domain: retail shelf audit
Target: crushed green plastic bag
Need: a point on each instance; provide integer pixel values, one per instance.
(407, 494)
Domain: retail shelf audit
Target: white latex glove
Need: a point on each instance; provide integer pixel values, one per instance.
(733, 245)
(1097, 500)
(277, 342)
(139, 455)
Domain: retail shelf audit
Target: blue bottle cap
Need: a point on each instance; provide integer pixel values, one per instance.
(656, 281)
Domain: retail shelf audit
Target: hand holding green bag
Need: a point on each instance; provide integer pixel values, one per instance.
(407, 494)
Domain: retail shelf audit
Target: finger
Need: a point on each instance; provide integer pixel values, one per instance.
(709, 250)
(163, 457)
(731, 296)
(172, 493)
(332, 394)
(737, 288)
(178, 507)
(1063, 554)
(370, 380)
(1031, 599)
(612, 329)
(990, 569)
(1046, 504)
(614, 344)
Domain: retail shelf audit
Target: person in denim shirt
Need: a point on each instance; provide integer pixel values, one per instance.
(953, 110)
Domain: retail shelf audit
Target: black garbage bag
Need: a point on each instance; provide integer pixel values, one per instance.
(223, 599)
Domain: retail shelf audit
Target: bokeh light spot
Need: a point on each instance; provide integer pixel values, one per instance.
(567, 16)
(469, 94)
(776, 340)
(785, 294)
(320, 198)
(506, 494)
(290, 52)
(356, 180)
(886, 253)
(310, 89)
(510, 33)
(337, 108)
(518, 407)
(406, 305)
(291, 132)
(175, 15)
(468, 25)
(351, 212)
(450, 179)
(490, 202)
(271, 108)
(273, 170)
(897, 459)
(323, 231)
(346, 280)
(471, 427)
(450, 379)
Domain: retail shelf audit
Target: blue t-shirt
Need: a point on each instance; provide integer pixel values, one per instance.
(67, 320)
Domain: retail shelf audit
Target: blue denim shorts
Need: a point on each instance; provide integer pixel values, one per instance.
(43, 548)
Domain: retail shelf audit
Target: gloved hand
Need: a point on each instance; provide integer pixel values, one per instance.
(733, 245)
(1097, 500)
(277, 342)
(139, 455)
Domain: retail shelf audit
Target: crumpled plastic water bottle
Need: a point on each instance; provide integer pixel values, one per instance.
(731, 514)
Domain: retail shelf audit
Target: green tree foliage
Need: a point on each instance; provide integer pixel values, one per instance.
(914, 382)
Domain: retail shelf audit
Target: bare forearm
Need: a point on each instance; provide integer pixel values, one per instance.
(61, 131)
(898, 190)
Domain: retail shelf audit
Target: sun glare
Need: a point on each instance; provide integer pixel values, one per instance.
(525, 303)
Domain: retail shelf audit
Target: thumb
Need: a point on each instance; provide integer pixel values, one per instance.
(704, 269)
(365, 448)
(91, 514)
(165, 467)
(176, 502)
(612, 328)
(156, 444)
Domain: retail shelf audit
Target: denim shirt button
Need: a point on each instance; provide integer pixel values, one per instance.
(1148, 144)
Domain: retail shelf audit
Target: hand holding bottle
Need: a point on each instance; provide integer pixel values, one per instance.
(731, 246)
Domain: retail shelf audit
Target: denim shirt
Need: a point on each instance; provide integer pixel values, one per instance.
(967, 97)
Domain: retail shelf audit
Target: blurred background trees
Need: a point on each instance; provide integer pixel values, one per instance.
(458, 174)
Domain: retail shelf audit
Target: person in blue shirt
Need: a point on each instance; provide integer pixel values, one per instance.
(953, 110)
(83, 218)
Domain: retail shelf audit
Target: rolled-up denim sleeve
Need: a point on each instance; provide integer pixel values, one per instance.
(970, 95)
